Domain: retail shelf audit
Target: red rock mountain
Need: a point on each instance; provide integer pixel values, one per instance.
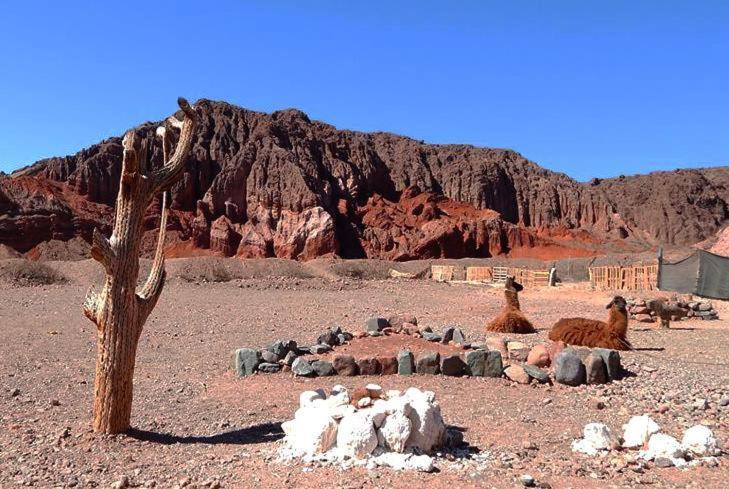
(261, 185)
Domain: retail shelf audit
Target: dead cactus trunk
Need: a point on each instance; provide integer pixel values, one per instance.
(120, 309)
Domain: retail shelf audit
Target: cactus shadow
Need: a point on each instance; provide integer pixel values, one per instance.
(260, 433)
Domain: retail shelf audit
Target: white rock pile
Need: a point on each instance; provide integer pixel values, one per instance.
(393, 429)
(698, 444)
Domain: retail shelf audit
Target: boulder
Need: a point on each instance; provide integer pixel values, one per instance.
(345, 365)
(665, 446)
(302, 368)
(312, 431)
(569, 369)
(405, 363)
(245, 361)
(428, 363)
(476, 362)
(369, 366)
(517, 374)
(322, 368)
(538, 356)
(638, 430)
(595, 369)
(395, 431)
(376, 324)
(356, 436)
(428, 428)
(388, 365)
(493, 366)
(698, 440)
(452, 365)
(611, 358)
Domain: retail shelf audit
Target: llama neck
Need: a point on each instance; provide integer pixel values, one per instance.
(512, 299)
(618, 321)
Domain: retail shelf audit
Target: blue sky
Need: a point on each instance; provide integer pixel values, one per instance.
(590, 88)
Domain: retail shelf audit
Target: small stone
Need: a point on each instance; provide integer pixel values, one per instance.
(122, 483)
(663, 462)
(376, 324)
(476, 363)
(269, 368)
(328, 338)
(536, 373)
(320, 349)
(595, 369)
(369, 366)
(527, 480)
(458, 337)
(289, 358)
(405, 363)
(388, 365)
(447, 334)
(302, 368)
(345, 365)
(493, 366)
(364, 402)
(281, 347)
(700, 404)
(569, 369)
(517, 374)
(245, 361)
(498, 344)
(322, 368)
(430, 336)
(398, 321)
(517, 351)
(428, 363)
(452, 365)
(15, 392)
(538, 356)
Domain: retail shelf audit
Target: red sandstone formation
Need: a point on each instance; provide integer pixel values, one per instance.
(261, 185)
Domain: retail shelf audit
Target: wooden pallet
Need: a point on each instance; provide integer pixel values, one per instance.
(442, 273)
(479, 274)
(636, 277)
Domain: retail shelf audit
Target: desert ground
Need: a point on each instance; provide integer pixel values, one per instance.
(196, 425)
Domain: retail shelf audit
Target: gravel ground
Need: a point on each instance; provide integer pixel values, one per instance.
(196, 425)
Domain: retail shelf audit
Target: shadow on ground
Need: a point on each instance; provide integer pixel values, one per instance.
(261, 433)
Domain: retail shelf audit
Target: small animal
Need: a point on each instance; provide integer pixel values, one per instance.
(511, 319)
(594, 333)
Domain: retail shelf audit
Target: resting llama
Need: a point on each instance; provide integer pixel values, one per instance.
(511, 319)
(594, 333)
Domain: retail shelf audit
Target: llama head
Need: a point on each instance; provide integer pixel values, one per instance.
(619, 303)
(512, 284)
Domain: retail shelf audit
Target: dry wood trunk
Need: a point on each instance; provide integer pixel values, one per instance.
(120, 309)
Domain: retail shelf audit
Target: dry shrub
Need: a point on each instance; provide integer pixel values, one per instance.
(26, 273)
(206, 270)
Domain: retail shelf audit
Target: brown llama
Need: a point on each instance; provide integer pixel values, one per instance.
(511, 319)
(594, 333)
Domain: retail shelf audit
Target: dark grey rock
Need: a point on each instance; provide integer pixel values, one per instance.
(245, 361)
(428, 363)
(322, 368)
(290, 357)
(569, 369)
(705, 306)
(611, 358)
(476, 363)
(269, 357)
(302, 368)
(341, 339)
(405, 363)
(536, 373)
(448, 334)
(376, 324)
(663, 462)
(430, 336)
(452, 365)
(494, 365)
(279, 348)
(454, 437)
(321, 348)
(269, 368)
(303, 350)
(347, 335)
(595, 369)
(458, 337)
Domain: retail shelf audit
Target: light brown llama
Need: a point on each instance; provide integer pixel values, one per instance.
(511, 319)
(594, 333)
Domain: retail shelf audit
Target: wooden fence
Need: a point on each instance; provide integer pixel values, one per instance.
(636, 277)
(479, 274)
(525, 276)
(442, 273)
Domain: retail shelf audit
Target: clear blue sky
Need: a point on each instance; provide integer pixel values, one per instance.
(590, 88)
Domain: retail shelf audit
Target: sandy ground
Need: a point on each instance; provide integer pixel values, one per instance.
(197, 425)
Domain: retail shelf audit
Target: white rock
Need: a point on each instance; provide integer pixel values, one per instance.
(402, 461)
(307, 398)
(364, 402)
(356, 436)
(338, 389)
(395, 430)
(374, 390)
(392, 393)
(596, 437)
(638, 431)
(312, 431)
(666, 446)
(698, 440)
(428, 428)
(338, 399)
(338, 412)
